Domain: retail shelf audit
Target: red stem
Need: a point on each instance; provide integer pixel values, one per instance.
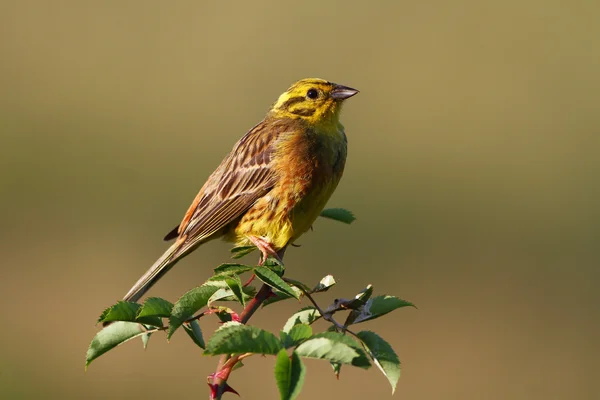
(226, 364)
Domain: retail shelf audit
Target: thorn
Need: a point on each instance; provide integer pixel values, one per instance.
(214, 389)
(230, 389)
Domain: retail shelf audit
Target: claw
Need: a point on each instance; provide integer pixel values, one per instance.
(265, 248)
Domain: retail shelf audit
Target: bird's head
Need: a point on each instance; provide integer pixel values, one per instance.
(316, 101)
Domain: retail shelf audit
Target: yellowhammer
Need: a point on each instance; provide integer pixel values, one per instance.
(272, 185)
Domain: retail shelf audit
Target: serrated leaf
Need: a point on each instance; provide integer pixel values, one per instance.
(193, 330)
(298, 334)
(232, 269)
(235, 284)
(188, 305)
(306, 315)
(110, 337)
(122, 311)
(224, 293)
(217, 280)
(155, 307)
(298, 284)
(339, 214)
(248, 292)
(377, 307)
(241, 251)
(334, 347)
(289, 375)
(324, 284)
(383, 355)
(127, 311)
(272, 279)
(234, 337)
(220, 294)
(279, 296)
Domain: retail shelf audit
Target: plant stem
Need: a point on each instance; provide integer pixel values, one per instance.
(326, 316)
(226, 364)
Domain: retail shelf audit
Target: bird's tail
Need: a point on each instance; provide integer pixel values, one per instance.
(156, 271)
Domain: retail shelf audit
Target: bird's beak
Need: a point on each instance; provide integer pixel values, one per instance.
(340, 92)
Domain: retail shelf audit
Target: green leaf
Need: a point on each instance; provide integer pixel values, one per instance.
(193, 330)
(379, 306)
(334, 347)
(220, 294)
(248, 292)
(237, 366)
(338, 214)
(272, 279)
(122, 311)
(234, 337)
(224, 293)
(297, 284)
(232, 269)
(225, 314)
(217, 280)
(383, 355)
(298, 334)
(274, 265)
(324, 284)
(279, 296)
(145, 339)
(127, 311)
(306, 315)
(187, 306)
(235, 284)
(337, 368)
(155, 307)
(289, 375)
(241, 251)
(110, 337)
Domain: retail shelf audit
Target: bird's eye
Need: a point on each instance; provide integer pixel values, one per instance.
(312, 94)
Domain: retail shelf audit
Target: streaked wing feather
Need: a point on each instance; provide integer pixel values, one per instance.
(241, 179)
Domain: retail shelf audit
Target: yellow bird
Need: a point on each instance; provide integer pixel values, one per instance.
(272, 185)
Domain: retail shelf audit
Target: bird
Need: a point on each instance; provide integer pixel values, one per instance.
(273, 184)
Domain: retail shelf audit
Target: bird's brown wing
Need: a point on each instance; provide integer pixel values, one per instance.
(244, 176)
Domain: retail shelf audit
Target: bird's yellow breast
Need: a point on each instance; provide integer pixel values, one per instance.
(309, 164)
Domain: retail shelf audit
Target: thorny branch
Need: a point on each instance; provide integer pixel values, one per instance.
(217, 381)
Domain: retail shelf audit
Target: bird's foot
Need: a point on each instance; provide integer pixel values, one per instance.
(266, 249)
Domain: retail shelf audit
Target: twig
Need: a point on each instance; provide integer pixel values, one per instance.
(226, 363)
(326, 315)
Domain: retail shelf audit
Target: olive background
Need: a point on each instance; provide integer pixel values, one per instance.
(473, 170)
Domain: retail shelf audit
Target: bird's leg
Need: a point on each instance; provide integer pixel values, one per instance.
(265, 248)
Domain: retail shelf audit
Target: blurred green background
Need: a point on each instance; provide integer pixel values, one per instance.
(473, 170)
